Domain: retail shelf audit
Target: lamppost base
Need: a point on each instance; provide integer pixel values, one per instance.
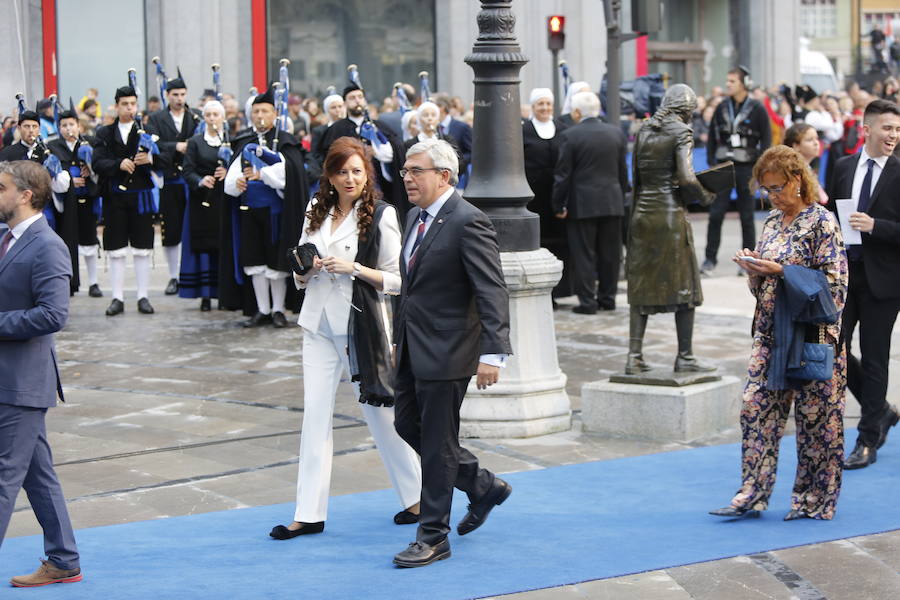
(530, 399)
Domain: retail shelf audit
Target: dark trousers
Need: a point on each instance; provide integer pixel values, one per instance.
(742, 174)
(171, 208)
(26, 462)
(595, 256)
(426, 415)
(867, 376)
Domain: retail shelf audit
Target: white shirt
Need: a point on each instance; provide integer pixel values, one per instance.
(384, 153)
(19, 229)
(824, 123)
(446, 124)
(495, 360)
(125, 130)
(861, 167)
(272, 175)
(178, 120)
(545, 129)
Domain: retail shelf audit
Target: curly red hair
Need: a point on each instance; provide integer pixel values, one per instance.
(341, 150)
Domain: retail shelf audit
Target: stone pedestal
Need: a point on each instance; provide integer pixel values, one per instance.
(661, 413)
(530, 399)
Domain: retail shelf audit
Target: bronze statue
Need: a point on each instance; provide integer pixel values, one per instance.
(661, 266)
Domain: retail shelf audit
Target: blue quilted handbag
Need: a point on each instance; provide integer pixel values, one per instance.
(816, 361)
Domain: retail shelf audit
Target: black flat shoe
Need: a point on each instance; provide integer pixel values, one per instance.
(278, 320)
(280, 532)
(205, 305)
(584, 310)
(420, 554)
(116, 307)
(144, 307)
(730, 512)
(861, 457)
(257, 320)
(94, 291)
(404, 517)
(172, 287)
(796, 514)
(892, 418)
(479, 511)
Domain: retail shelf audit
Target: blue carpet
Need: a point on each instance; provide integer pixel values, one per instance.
(561, 525)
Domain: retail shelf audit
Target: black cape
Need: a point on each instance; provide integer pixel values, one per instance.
(234, 294)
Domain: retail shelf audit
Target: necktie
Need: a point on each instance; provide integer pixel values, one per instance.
(420, 233)
(854, 252)
(4, 245)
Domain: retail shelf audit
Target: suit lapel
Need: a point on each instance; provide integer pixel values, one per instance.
(22, 243)
(411, 218)
(888, 173)
(435, 229)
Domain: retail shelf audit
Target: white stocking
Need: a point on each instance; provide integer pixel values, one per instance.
(279, 289)
(261, 289)
(117, 276)
(142, 275)
(173, 255)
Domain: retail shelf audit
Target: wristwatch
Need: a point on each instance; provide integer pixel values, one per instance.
(357, 269)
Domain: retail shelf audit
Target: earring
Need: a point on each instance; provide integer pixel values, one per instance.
(331, 191)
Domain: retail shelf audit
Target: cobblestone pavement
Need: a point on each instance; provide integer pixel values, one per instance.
(185, 412)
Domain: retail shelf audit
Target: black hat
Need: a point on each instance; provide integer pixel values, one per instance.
(350, 88)
(24, 113)
(804, 93)
(125, 91)
(71, 113)
(176, 83)
(267, 98)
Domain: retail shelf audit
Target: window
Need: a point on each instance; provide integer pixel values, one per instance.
(389, 40)
(818, 18)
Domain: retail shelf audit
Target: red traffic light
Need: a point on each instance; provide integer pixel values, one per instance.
(556, 23)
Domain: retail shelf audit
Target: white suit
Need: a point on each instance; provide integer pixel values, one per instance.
(323, 317)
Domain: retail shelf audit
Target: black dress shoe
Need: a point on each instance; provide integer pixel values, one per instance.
(404, 517)
(732, 512)
(796, 514)
(280, 532)
(205, 305)
(889, 421)
(278, 320)
(861, 457)
(144, 307)
(258, 320)
(172, 287)
(94, 291)
(420, 554)
(584, 310)
(479, 511)
(116, 307)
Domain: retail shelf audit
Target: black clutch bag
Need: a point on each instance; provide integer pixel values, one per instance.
(301, 258)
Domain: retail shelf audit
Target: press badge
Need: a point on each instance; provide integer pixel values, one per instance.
(736, 140)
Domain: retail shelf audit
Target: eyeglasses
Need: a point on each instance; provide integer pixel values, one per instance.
(775, 189)
(416, 172)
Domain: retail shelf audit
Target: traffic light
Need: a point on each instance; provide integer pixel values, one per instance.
(646, 16)
(556, 37)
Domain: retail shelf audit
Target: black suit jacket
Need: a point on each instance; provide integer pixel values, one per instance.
(454, 306)
(591, 176)
(161, 123)
(109, 151)
(881, 248)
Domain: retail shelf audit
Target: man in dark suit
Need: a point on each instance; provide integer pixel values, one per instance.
(589, 188)
(459, 131)
(35, 269)
(452, 322)
(174, 125)
(872, 178)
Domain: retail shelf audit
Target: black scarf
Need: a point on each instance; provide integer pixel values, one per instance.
(369, 346)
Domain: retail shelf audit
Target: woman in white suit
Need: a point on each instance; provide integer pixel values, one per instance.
(358, 237)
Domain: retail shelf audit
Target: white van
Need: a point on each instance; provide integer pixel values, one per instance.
(816, 70)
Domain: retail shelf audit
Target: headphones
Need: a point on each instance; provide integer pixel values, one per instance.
(745, 78)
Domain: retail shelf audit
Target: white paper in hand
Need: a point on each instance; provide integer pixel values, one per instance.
(844, 209)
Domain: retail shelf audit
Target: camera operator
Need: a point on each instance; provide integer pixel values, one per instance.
(739, 132)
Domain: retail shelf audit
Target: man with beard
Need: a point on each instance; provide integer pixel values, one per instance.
(387, 150)
(267, 177)
(174, 126)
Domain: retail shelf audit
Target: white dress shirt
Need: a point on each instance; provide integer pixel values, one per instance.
(861, 167)
(177, 120)
(271, 175)
(19, 229)
(496, 360)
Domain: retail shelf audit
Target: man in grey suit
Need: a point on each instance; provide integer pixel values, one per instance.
(452, 323)
(589, 186)
(35, 269)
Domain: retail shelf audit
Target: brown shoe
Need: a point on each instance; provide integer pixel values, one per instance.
(45, 575)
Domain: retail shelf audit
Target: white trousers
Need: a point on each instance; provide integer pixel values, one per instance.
(324, 361)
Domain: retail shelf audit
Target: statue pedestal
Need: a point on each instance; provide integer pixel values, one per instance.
(530, 399)
(660, 412)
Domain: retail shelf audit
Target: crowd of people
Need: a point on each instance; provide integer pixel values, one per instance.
(331, 212)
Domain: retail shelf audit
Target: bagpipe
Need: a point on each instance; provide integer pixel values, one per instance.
(367, 130)
(146, 143)
(424, 89)
(161, 80)
(566, 76)
(225, 153)
(282, 95)
(402, 98)
(40, 153)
